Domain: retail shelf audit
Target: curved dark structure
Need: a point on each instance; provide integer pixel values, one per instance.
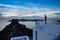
(15, 29)
(58, 38)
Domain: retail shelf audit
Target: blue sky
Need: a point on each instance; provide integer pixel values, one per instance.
(23, 2)
(28, 7)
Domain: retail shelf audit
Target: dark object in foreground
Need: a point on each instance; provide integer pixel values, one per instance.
(58, 38)
(15, 29)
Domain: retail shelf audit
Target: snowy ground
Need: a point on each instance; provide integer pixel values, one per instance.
(49, 31)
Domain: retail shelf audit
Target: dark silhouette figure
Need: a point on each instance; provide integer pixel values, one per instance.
(45, 19)
(15, 29)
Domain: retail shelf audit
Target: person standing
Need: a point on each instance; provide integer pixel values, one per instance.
(45, 19)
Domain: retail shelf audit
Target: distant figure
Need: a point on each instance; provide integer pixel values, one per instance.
(15, 29)
(45, 19)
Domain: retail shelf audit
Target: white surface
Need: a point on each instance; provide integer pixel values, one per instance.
(48, 31)
(20, 38)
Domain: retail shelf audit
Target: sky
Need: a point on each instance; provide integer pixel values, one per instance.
(10, 8)
(25, 8)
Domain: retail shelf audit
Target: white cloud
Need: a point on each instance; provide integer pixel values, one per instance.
(36, 6)
(9, 6)
(6, 14)
(12, 6)
(40, 9)
(50, 14)
(12, 10)
(27, 8)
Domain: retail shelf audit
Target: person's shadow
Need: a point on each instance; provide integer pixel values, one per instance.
(15, 29)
